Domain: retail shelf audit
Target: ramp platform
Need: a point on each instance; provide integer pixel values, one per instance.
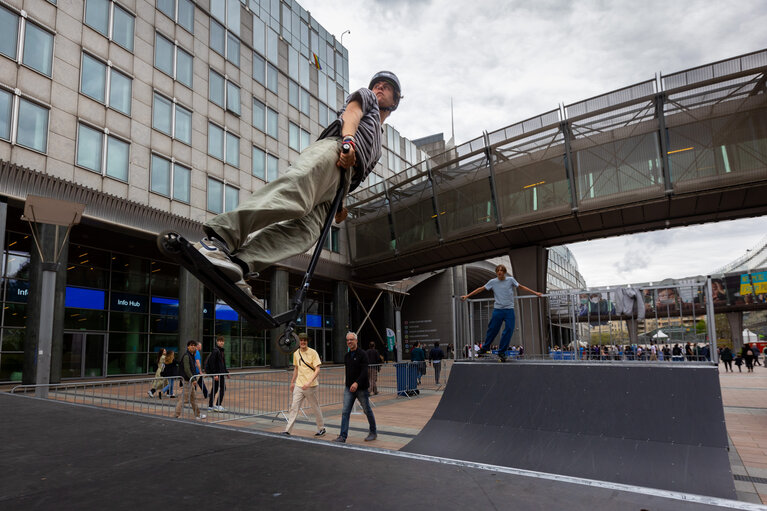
(657, 425)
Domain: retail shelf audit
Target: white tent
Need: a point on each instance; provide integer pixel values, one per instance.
(659, 335)
(749, 336)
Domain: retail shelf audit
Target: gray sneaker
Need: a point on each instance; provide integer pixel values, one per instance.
(340, 439)
(216, 253)
(371, 436)
(245, 287)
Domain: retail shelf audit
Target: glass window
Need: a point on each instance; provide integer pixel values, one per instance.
(271, 78)
(102, 153)
(33, 126)
(272, 47)
(89, 148)
(233, 49)
(215, 196)
(259, 163)
(6, 103)
(167, 7)
(305, 102)
(232, 97)
(120, 92)
(218, 10)
(233, 15)
(117, 158)
(293, 137)
(183, 124)
(272, 128)
(97, 15)
(305, 137)
(9, 25)
(38, 49)
(93, 78)
(231, 198)
(232, 149)
(184, 67)
(182, 179)
(215, 142)
(122, 28)
(216, 88)
(164, 173)
(115, 93)
(163, 54)
(293, 93)
(162, 114)
(186, 15)
(259, 69)
(259, 115)
(272, 167)
(259, 36)
(217, 37)
(160, 176)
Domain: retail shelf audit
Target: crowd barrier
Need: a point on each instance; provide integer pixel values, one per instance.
(247, 394)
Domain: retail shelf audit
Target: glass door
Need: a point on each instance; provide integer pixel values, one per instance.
(83, 355)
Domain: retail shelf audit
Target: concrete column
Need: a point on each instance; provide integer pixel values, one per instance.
(341, 321)
(530, 265)
(279, 302)
(460, 309)
(189, 308)
(735, 319)
(48, 242)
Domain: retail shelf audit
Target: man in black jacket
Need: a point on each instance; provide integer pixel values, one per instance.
(216, 365)
(356, 362)
(187, 372)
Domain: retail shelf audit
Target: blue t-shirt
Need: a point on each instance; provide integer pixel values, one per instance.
(197, 358)
(503, 290)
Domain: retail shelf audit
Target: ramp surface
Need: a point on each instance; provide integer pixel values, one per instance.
(655, 425)
(61, 456)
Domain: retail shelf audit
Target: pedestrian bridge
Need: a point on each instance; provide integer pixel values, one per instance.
(679, 149)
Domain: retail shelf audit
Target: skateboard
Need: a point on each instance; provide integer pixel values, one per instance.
(177, 248)
(485, 357)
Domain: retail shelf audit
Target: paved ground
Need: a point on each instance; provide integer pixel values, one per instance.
(745, 411)
(400, 419)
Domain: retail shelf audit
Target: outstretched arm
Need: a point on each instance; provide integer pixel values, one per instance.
(536, 293)
(476, 291)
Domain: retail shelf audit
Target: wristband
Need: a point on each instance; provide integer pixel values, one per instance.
(350, 140)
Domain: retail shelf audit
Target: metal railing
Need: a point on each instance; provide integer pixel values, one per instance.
(593, 324)
(248, 395)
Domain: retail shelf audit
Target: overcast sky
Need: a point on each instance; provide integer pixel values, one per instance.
(505, 61)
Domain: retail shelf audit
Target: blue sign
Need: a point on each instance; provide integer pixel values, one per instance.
(226, 313)
(82, 298)
(314, 320)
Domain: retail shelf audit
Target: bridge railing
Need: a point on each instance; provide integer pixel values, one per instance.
(696, 130)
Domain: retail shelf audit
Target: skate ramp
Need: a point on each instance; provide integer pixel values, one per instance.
(658, 425)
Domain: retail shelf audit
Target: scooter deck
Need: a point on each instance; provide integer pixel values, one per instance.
(177, 248)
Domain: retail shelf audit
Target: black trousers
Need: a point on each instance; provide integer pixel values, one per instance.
(220, 387)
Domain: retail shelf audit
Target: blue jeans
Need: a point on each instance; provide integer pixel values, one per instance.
(362, 397)
(168, 388)
(498, 318)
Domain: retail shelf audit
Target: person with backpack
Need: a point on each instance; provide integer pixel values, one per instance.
(170, 370)
(305, 384)
(215, 365)
(188, 390)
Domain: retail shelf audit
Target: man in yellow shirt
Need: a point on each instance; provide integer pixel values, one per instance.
(305, 384)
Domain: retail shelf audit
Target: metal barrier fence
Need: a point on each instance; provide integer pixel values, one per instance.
(666, 322)
(247, 395)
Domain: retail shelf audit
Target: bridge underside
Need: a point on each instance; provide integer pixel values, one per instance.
(675, 211)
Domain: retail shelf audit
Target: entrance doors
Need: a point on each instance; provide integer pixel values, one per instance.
(321, 341)
(83, 355)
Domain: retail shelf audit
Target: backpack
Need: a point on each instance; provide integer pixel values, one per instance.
(170, 370)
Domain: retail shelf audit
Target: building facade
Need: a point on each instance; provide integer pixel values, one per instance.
(157, 114)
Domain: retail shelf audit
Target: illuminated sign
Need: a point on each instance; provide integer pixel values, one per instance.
(84, 298)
